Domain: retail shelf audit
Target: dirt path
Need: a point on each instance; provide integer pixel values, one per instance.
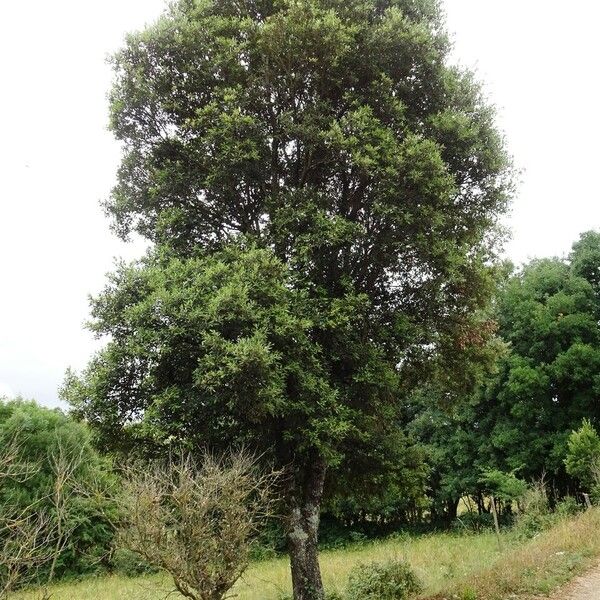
(585, 587)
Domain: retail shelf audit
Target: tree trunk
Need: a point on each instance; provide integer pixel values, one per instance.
(306, 493)
(496, 525)
(452, 510)
(481, 504)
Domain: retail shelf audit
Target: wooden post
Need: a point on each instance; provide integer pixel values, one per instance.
(586, 497)
(496, 525)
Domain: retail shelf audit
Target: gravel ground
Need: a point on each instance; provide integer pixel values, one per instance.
(586, 587)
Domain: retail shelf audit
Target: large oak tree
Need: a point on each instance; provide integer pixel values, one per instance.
(322, 190)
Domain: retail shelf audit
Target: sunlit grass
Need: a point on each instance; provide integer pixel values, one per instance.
(446, 563)
(438, 558)
(538, 566)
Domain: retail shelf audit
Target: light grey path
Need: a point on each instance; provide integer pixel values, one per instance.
(585, 587)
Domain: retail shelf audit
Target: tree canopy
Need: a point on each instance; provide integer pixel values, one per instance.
(323, 190)
(550, 380)
(583, 455)
(547, 380)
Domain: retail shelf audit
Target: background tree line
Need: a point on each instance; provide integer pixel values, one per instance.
(544, 382)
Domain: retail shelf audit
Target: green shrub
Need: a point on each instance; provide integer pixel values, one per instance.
(334, 534)
(583, 455)
(391, 580)
(270, 541)
(535, 515)
(529, 525)
(44, 436)
(259, 551)
(468, 594)
(567, 507)
(130, 564)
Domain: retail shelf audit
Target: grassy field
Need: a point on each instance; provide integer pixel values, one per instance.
(460, 566)
(536, 567)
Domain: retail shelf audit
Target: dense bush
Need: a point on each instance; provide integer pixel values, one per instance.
(567, 507)
(583, 455)
(391, 580)
(43, 438)
(130, 564)
(473, 521)
(535, 515)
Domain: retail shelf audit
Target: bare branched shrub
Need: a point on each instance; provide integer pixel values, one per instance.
(31, 536)
(11, 467)
(196, 520)
(27, 543)
(65, 464)
(535, 499)
(25, 533)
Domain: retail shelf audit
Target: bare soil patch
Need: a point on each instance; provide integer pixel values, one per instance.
(584, 587)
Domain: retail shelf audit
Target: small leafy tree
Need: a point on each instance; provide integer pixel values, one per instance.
(506, 487)
(196, 521)
(583, 454)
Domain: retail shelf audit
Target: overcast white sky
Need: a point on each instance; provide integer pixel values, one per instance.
(57, 160)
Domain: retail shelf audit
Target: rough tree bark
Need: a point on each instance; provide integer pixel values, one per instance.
(305, 495)
(452, 509)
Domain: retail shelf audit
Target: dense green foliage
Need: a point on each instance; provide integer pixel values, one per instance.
(451, 442)
(518, 419)
(583, 455)
(549, 314)
(221, 353)
(503, 486)
(392, 580)
(375, 182)
(323, 191)
(42, 436)
(385, 492)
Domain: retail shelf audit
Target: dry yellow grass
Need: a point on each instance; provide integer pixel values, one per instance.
(466, 567)
(438, 558)
(536, 567)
